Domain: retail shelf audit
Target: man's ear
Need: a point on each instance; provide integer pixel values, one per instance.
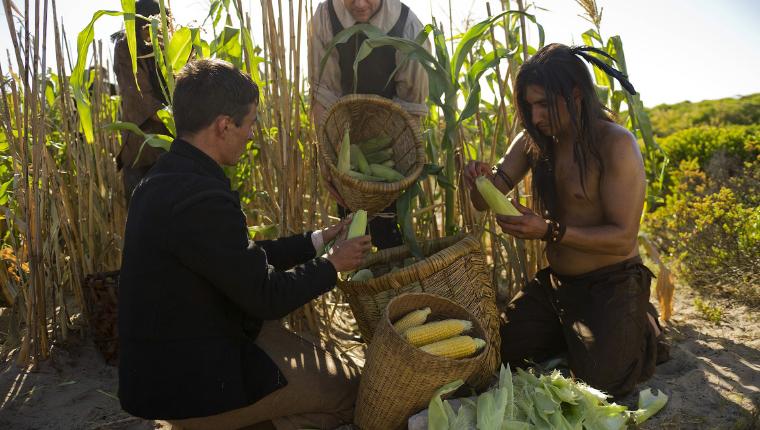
(220, 125)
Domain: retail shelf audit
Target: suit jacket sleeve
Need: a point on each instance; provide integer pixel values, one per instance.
(209, 236)
(286, 252)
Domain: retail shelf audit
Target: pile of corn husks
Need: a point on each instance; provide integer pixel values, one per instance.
(525, 401)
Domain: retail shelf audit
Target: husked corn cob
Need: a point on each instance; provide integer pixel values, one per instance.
(344, 153)
(358, 224)
(496, 199)
(435, 331)
(357, 158)
(412, 319)
(455, 347)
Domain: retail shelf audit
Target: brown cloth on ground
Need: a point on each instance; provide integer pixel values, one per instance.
(320, 393)
(599, 318)
(137, 106)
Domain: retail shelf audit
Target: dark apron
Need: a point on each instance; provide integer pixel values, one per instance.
(373, 74)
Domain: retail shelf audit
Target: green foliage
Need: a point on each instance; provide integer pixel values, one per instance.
(703, 143)
(710, 312)
(668, 119)
(712, 229)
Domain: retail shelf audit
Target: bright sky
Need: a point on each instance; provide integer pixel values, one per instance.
(676, 50)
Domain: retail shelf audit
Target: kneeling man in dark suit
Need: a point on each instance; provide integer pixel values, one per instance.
(199, 303)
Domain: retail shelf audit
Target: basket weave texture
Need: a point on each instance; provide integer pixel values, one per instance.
(399, 379)
(368, 116)
(454, 268)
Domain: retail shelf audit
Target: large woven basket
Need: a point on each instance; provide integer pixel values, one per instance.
(370, 116)
(399, 379)
(454, 268)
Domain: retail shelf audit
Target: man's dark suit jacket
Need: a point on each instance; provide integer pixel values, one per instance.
(194, 290)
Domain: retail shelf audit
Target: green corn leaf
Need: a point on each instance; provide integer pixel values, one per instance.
(124, 126)
(166, 116)
(473, 35)
(159, 56)
(404, 215)
(4, 191)
(369, 30)
(81, 95)
(169, 71)
(440, 413)
(180, 47)
(128, 7)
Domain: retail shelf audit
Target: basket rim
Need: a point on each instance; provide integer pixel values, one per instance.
(419, 270)
(366, 186)
(480, 331)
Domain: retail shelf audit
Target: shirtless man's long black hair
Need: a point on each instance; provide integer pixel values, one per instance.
(559, 70)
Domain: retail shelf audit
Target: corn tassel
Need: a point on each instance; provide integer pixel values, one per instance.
(412, 319)
(358, 224)
(455, 347)
(435, 331)
(496, 199)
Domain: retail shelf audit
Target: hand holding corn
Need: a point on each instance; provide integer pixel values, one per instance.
(529, 225)
(472, 170)
(348, 255)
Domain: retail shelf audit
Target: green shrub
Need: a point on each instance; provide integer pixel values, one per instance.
(714, 237)
(668, 119)
(703, 143)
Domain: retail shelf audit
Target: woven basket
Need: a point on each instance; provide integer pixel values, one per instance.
(101, 292)
(399, 379)
(370, 116)
(454, 268)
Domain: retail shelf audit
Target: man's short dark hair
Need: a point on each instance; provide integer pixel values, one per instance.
(208, 88)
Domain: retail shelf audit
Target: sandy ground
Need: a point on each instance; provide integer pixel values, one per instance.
(713, 380)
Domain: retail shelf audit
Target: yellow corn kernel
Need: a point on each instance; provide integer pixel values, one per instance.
(412, 319)
(496, 199)
(455, 347)
(435, 331)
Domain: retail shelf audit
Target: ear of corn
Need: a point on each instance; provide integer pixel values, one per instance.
(363, 177)
(496, 199)
(389, 163)
(380, 156)
(455, 347)
(435, 331)
(358, 224)
(344, 153)
(412, 319)
(375, 144)
(362, 275)
(385, 172)
(357, 158)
